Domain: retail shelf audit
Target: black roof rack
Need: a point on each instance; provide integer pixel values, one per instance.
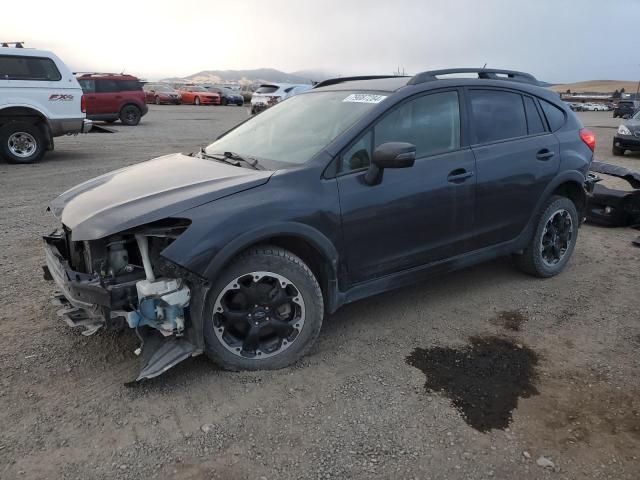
(334, 81)
(15, 44)
(484, 73)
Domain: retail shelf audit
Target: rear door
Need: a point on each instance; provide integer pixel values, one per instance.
(108, 96)
(516, 156)
(416, 215)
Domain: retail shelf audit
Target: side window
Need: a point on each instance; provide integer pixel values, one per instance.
(533, 117)
(430, 122)
(497, 115)
(106, 86)
(129, 85)
(358, 155)
(88, 86)
(554, 115)
(14, 67)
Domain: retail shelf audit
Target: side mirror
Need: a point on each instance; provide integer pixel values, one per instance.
(390, 155)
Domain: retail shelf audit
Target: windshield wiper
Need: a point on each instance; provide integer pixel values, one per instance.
(231, 158)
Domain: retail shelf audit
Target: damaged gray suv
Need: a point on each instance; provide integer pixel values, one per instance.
(359, 186)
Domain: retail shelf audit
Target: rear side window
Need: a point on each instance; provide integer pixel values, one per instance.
(430, 122)
(497, 115)
(555, 116)
(15, 67)
(88, 86)
(534, 122)
(267, 89)
(106, 86)
(129, 85)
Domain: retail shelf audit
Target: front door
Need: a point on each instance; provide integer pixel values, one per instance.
(417, 215)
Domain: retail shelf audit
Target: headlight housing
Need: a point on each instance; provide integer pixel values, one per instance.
(623, 130)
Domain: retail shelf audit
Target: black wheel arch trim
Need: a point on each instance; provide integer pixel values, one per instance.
(304, 232)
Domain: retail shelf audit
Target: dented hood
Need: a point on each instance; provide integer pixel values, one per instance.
(147, 192)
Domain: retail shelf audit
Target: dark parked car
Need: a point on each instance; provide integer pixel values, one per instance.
(111, 96)
(227, 96)
(356, 187)
(626, 108)
(627, 137)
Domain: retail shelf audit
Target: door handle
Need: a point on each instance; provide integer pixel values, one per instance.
(459, 175)
(544, 154)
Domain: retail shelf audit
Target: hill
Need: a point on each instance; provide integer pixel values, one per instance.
(599, 86)
(250, 76)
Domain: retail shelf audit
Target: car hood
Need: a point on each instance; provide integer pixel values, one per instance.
(633, 125)
(147, 192)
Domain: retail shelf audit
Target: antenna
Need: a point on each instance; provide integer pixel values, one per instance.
(484, 66)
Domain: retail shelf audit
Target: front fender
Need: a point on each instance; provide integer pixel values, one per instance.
(286, 229)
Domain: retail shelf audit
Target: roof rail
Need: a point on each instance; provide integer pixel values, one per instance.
(89, 74)
(15, 44)
(484, 73)
(334, 81)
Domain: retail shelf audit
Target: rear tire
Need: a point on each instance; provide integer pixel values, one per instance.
(223, 102)
(130, 115)
(196, 101)
(539, 258)
(264, 311)
(21, 142)
(618, 152)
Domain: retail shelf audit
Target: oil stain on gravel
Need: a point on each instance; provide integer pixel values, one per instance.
(511, 320)
(483, 379)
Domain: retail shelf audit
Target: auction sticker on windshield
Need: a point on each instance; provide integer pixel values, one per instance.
(364, 98)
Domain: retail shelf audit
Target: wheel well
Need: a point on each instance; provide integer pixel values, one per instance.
(572, 191)
(29, 115)
(129, 104)
(310, 255)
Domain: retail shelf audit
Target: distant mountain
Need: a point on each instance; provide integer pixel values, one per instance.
(251, 76)
(597, 86)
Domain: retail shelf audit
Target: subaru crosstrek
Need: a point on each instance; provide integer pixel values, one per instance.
(356, 187)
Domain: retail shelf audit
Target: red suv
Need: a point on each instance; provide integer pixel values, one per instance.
(109, 97)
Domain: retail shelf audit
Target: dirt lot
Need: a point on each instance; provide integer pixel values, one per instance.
(564, 352)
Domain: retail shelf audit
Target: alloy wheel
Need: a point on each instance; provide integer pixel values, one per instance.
(258, 315)
(22, 144)
(556, 237)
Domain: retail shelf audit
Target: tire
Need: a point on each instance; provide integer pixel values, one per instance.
(223, 102)
(274, 267)
(618, 152)
(157, 100)
(21, 142)
(196, 101)
(531, 261)
(615, 116)
(130, 115)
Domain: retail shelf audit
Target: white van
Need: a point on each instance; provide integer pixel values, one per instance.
(39, 99)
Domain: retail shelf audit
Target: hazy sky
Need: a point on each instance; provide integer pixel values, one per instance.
(556, 40)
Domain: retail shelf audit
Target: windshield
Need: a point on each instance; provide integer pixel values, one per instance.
(296, 129)
(636, 116)
(162, 88)
(197, 89)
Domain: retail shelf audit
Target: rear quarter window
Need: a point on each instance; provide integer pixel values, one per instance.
(16, 67)
(555, 116)
(129, 85)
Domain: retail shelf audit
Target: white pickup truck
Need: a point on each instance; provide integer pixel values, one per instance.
(39, 99)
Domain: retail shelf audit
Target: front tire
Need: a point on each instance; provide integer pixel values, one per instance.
(21, 142)
(553, 241)
(157, 100)
(264, 312)
(196, 101)
(130, 115)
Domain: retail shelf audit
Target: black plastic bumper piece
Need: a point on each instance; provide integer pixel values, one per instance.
(160, 353)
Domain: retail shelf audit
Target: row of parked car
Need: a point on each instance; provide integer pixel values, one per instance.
(622, 109)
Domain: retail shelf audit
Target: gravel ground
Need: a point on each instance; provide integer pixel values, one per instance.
(355, 407)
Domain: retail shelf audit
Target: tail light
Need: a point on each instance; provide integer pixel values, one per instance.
(83, 104)
(588, 138)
